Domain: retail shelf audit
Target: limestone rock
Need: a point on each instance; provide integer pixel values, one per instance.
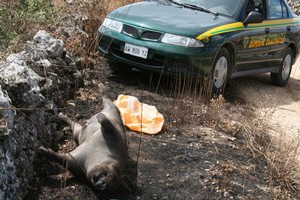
(33, 84)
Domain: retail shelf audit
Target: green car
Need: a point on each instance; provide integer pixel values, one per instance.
(219, 38)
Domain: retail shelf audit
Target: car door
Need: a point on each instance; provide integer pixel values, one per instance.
(281, 29)
(252, 53)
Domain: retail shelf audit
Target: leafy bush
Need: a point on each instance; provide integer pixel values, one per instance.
(19, 17)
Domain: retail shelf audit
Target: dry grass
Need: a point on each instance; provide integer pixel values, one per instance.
(86, 45)
(282, 158)
(280, 154)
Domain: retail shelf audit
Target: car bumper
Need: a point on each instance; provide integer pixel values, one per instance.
(166, 58)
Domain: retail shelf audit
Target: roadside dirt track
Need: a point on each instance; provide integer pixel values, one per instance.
(280, 106)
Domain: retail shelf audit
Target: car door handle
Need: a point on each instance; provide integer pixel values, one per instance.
(288, 28)
(267, 30)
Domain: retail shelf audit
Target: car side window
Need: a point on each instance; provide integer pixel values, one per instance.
(250, 6)
(253, 5)
(277, 9)
(284, 11)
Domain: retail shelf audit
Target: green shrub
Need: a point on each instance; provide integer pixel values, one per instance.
(20, 18)
(38, 10)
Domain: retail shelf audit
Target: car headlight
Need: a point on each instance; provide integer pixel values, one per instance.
(113, 24)
(181, 40)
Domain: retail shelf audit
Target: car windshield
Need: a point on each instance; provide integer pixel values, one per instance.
(226, 7)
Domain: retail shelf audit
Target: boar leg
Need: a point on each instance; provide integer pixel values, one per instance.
(65, 160)
(106, 124)
(76, 127)
(111, 134)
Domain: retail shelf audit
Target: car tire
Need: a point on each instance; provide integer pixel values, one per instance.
(221, 67)
(119, 68)
(281, 78)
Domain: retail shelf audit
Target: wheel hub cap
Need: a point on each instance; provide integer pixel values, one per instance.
(220, 72)
(286, 68)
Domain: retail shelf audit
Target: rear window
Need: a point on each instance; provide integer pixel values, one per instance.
(277, 9)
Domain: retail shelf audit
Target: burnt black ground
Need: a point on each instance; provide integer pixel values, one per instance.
(189, 159)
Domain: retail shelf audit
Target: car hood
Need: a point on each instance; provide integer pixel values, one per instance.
(169, 18)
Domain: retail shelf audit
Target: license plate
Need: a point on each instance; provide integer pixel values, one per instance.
(134, 50)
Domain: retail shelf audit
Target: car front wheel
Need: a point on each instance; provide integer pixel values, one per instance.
(119, 68)
(220, 72)
(281, 78)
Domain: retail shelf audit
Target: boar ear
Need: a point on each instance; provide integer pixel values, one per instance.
(106, 124)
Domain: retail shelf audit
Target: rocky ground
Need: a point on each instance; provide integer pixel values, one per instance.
(188, 159)
(203, 151)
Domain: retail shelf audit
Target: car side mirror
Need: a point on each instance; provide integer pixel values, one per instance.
(253, 17)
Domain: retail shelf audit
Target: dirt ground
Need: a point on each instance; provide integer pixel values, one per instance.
(190, 158)
(281, 105)
(196, 156)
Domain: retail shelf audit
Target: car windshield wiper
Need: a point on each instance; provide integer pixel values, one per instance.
(192, 6)
(175, 2)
